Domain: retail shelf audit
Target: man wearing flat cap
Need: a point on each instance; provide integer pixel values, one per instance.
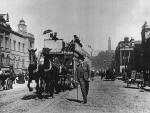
(83, 74)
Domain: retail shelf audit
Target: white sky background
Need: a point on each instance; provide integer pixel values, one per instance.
(93, 20)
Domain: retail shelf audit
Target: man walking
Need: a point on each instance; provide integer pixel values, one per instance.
(83, 73)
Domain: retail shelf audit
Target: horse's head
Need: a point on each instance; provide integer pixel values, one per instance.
(32, 56)
(46, 51)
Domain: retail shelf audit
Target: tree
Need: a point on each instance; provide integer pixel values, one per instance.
(103, 59)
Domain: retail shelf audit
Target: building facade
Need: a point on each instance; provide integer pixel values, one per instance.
(14, 45)
(5, 31)
(145, 35)
(135, 55)
(123, 54)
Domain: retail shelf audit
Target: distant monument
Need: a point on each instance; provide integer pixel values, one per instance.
(109, 44)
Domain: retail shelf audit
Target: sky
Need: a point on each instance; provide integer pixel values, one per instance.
(92, 20)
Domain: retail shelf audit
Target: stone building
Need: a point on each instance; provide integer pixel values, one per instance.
(5, 31)
(14, 45)
(124, 53)
(145, 35)
(20, 42)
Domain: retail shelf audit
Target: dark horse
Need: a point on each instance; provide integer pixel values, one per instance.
(51, 72)
(33, 70)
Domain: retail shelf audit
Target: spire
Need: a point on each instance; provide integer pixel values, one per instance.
(109, 44)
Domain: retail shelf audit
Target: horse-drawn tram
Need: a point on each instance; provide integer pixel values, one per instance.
(61, 56)
(55, 66)
(65, 56)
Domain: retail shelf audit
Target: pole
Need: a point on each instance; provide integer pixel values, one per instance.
(77, 91)
(75, 74)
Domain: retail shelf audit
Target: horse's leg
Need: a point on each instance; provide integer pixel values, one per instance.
(37, 85)
(46, 86)
(52, 88)
(46, 81)
(40, 85)
(6, 83)
(57, 86)
(3, 84)
(28, 85)
(64, 84)
(138, 85)
(43, 85)
(142, 84)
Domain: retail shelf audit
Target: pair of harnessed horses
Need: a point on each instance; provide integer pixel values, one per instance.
(47, 73)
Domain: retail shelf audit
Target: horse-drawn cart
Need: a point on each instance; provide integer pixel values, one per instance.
(6, 78)
(136, 78)
(55, 66)
(62, 57)
(65, 56)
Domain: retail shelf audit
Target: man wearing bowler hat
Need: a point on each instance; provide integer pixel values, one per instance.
(83, 74)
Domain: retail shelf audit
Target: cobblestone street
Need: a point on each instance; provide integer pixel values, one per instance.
(104, 97)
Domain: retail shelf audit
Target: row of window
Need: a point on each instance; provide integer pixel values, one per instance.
(13, 44)
(20, 45)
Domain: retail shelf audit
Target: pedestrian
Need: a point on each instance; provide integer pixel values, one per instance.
(83, 74)
(92, 75)
(102, 75)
